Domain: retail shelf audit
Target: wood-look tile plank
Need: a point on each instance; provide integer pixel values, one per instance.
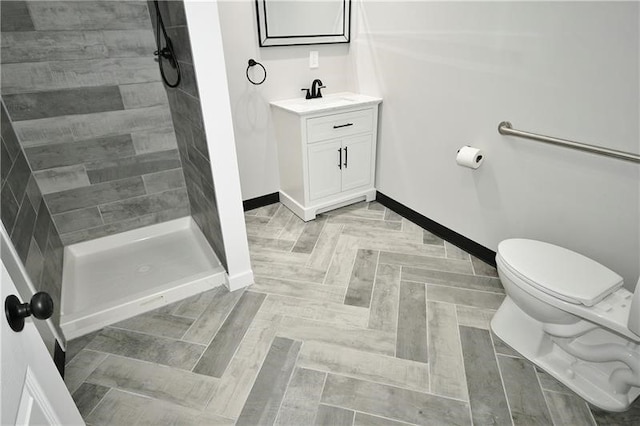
(207, 325)
(411, 342)
(318, 292)
(431, 239)
(220, 351)
(327, 312)
(157, 323)
(363, 419)
(293, 229)
(342, 262)
(124, 408)
(334, 416)
(401, 247)
(452, 279)
(361, 283)
(362, 231)
(240, 375)
(307, 240)
(160, 350)
(454, 252)
(80, 367)
(320, 257)
(88, 396)
(270, 243)
(154, 381)
(394, 403)
(280, 218)
(474, 317)
(426, 262)
(482, 268)
(629, 417)
(288, 272)
(385, 298)
(569, 409)
(486, 394)
(367, 340)
(301, 399)
(368, 223)
(266, 395)
(365, 365)
(445, 353)
(525, 397)
(275, 256)
(459, 296)
(195, 306)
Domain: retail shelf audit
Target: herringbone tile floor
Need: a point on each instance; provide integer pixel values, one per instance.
(359, 317)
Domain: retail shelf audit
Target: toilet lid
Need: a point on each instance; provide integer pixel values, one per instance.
(559, 272)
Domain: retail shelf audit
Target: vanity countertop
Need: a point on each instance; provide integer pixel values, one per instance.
(328, 103)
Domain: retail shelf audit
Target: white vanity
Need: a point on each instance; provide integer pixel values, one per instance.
(326, 151)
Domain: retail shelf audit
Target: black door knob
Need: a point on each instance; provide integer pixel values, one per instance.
(40, 306)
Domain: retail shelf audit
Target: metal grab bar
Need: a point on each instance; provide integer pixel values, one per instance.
(505, 128)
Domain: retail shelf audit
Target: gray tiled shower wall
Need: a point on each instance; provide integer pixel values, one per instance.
(86, 99)
(26, 218)
(184, 102)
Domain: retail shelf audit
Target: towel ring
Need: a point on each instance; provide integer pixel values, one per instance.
(252, 63)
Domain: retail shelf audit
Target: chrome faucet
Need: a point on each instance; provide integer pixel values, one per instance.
(315, 89)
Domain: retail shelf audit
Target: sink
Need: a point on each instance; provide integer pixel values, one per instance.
(304, 106)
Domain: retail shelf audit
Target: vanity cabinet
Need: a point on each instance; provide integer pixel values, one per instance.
(326, 151)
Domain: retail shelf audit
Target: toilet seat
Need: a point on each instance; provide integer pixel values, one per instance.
(558, 272)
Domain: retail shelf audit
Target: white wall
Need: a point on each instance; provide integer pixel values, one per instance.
(208, 61)
(450, 72)
(287, 72)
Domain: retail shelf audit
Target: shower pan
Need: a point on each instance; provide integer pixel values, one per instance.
(109, 279)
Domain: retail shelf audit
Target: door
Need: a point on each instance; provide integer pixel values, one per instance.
(356, 167)
(32, 390)
(325, 167)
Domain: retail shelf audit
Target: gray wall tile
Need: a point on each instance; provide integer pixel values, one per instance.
(66, 154)
(67, 15)
(154, 140)
(55, 103)
(38, 46)
(162, 181)
(62, 178)
(23, 229)
(76, 220)
(129, 43)
(143, 95)
(19, 176)
(10, 208)
(94, 195)
(5, 162)
(143, 205)
(15, 16)
(27, 77)
(137, 165)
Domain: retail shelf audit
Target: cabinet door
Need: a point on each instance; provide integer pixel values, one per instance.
(325, 169)
(356, 159)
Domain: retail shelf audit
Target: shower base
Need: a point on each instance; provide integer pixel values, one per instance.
(109, 279)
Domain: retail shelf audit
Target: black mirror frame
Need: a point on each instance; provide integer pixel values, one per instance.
(294, 40)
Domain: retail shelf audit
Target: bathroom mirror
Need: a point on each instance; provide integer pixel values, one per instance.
(294, 22)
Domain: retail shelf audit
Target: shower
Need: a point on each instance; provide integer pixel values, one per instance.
(165, 54)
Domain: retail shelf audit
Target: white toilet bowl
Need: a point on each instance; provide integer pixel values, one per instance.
(571, 316)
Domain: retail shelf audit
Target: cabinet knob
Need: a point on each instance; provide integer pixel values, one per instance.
(40, 306)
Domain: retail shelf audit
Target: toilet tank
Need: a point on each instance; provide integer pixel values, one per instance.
(634, 312)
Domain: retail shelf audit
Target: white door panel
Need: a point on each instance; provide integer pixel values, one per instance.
(325, 167)
(356, 168)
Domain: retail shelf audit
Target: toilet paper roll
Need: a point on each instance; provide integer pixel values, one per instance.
(469, 156)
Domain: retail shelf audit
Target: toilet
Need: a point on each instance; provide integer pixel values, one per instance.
(572, 317)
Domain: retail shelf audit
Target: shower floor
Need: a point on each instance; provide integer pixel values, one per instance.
(113, 278)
